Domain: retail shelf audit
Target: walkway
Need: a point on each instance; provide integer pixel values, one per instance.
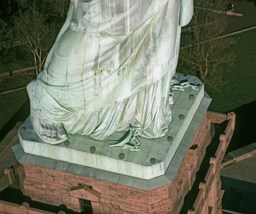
(248, 9)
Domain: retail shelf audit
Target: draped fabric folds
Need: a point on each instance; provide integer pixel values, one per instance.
(110, 68)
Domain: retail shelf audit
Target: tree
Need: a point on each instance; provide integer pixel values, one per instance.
(60, 7)
(33, 30)
(5, 33)
(203, 52)
(37, 25)
(5, 38)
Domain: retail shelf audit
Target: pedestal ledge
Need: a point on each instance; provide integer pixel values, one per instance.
(150, 162)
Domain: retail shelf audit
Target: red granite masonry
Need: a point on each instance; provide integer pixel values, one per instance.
(57, 187)
(210, 195)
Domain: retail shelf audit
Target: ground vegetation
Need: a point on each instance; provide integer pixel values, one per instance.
(204, 52)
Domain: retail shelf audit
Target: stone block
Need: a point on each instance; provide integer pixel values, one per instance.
(150, 162)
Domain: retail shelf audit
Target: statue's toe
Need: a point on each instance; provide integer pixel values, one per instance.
(60, 131)
(52, 133)
(49, 132)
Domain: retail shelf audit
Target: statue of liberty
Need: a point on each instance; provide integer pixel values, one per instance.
(110, 69)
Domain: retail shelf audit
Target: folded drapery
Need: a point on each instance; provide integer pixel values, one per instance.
(110, 68)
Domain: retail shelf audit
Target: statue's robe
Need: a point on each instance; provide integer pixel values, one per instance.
(111, 67)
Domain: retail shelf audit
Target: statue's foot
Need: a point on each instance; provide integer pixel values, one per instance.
(128, 141)
(51, 133)
(48, 131)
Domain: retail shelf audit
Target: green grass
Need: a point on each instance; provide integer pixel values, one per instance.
(15, 58)
(241, 78)
(9, 104)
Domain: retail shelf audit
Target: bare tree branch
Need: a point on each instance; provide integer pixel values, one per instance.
(34, 31)
(201, 52)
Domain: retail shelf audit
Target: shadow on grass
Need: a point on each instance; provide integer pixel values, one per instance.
(20, 115)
